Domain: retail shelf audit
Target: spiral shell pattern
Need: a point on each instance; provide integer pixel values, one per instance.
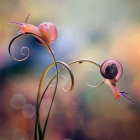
(111, 69)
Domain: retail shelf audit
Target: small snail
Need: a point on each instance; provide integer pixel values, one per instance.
(112, 70)
(46, 30)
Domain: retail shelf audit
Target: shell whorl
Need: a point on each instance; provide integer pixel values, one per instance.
(111, 69)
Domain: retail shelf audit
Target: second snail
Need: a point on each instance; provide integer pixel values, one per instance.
(46, 34)
(112, 70)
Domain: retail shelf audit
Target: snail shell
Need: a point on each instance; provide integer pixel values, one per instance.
(48, 31)
(111, 69)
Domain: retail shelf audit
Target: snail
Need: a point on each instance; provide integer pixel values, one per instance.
(46, 30)
(112, 70)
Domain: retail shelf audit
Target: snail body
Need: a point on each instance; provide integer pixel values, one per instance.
(46, 30)
(29, 28)
(114, 88)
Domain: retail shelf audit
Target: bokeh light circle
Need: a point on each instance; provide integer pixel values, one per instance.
(18, 101)
(28, 111)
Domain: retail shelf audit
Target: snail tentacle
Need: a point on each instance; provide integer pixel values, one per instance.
(125, 95)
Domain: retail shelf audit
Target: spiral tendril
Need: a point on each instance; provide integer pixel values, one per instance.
(21, 51)
(90, 85)
(61, 84)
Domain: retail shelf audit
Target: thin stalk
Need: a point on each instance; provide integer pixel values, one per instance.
(38, 95)
(43, 76)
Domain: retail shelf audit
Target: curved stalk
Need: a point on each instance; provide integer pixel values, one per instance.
(38, 95)
(40, 86)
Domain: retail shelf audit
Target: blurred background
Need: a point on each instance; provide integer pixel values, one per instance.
(92, 29)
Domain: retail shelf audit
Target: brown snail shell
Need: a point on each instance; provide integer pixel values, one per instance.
(111, 69)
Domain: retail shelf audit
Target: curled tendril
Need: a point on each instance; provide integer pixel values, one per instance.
(71, 63)
(62, 77)
(80, 61)
(72, 84)
(92, 62)
(23, 48)
(88, 84)
(44, 75)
